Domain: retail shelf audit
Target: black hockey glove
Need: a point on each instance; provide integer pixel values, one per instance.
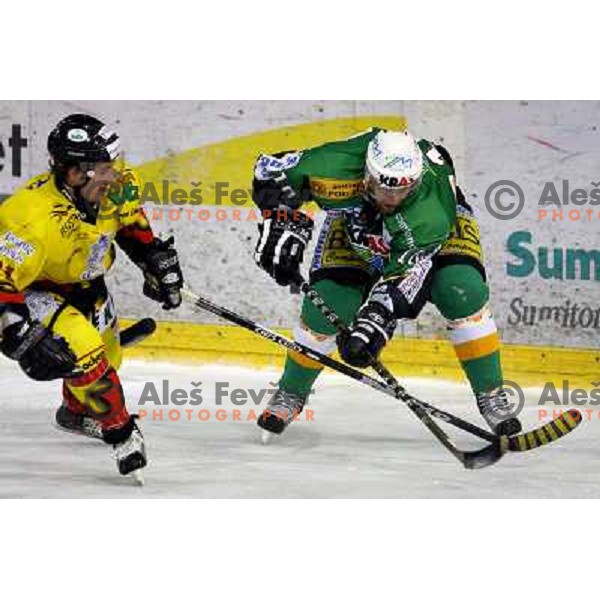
(42, 354)
(368, 334)
(283, 237)
(163, 278)
(364, 226)
(274, 191)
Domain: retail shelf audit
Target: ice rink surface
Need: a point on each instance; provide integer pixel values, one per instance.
(358, 444)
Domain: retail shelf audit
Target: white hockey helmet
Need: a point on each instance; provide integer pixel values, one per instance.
(394, 167)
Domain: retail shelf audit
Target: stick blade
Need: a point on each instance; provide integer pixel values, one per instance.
(546, 434)
(486, 456)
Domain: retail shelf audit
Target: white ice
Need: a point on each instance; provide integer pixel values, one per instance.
(361, 444)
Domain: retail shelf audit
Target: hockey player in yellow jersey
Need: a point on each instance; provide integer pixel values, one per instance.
(57, 241)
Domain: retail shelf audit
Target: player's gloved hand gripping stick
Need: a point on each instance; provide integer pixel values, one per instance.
(471, 460)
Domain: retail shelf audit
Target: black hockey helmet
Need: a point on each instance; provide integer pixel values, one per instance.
(81, 138)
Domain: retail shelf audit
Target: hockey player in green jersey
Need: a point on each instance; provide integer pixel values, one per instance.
(398, 233)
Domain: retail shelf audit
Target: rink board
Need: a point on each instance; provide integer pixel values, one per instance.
(228, 344)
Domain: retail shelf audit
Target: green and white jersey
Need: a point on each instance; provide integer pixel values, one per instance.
(332, 176)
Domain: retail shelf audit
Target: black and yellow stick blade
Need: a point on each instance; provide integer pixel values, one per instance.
(554, 430)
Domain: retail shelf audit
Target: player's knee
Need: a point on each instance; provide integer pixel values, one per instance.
(459, 292)
(100, 391)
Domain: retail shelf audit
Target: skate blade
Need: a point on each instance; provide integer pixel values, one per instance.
(77, 432)
(267, 437)
(137, 477)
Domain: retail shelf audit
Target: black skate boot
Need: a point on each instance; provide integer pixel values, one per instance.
(76, 422)
(497, 412)
(280, 411)
(129, 453)
(128, 448)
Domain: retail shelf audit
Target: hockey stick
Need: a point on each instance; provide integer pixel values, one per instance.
(545, 434)
(470, 459)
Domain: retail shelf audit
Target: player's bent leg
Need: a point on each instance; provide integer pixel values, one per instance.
(97, 392)
(89, 348)
(300, 373)
(461, 295)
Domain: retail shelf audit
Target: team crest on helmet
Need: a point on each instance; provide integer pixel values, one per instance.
(78, 135)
